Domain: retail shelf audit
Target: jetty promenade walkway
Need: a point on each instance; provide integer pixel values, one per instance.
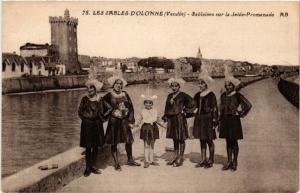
(268, 158)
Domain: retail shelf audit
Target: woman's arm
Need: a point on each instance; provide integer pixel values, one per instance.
(245, 105)
(196, 102)
(164, 117)
(159, 121)
(130, 109)
(138, 120)
(107, 107)
(101, 111)
(80, 109)
(215, 112)
(189, 105)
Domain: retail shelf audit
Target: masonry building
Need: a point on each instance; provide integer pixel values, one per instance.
(48, 52)
(64, 36)
(14, 66)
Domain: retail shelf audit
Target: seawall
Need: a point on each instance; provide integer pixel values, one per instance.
(71, 165)
(290, 91)
(34, 84)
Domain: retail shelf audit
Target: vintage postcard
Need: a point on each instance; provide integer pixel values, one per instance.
(150, 97)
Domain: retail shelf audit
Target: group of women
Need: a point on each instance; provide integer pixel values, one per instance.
(116, 108)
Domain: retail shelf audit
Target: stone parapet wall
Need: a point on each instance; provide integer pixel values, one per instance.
(32, 84)
(71, 165)
(290, 91)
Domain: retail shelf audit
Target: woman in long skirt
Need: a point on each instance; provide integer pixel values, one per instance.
(178, 105)
(91, 134)
(206, 119)
(233, 107)
(120, 113)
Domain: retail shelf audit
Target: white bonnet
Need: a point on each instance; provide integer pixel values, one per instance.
(229, 77)
(94, 82)
(117, 75)
(180, 81)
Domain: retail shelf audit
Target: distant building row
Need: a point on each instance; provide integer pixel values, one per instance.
(14, 66)
(108, 64)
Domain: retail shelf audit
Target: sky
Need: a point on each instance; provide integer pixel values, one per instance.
(264, 40)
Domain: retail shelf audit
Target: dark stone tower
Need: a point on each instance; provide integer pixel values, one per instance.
(64, 36)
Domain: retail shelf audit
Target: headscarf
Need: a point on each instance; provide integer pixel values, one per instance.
(92, 79)
(205, 76)
(117, 75)
(229, 76)
(176, 79)
(94, 82)
(180, 81)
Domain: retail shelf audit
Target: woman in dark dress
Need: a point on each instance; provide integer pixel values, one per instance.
(120, 113)
(233, 107)
(91, 134)
(178, 105)
(206, 119)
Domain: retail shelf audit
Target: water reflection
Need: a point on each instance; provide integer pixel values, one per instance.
(38, 126)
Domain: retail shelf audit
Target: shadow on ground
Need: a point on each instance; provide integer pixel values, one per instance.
(194, 157)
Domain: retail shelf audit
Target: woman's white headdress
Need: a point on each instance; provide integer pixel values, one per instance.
(92, 79)
(205, 75)
(148, 95)
(117, 75)
(228, 75)
(176, 79)
(180, 81)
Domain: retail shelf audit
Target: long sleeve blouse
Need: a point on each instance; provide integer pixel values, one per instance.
(234, 104)
(91, 110)
(178, 103)
(206, 104)
(111, 102)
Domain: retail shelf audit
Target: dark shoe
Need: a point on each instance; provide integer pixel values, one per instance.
(234, 166)
(209, 164)
(133, 163)
(227, 166)
(87, 172)
(201, 164)
(146, 165)
(178, 162)
(154, 164)
(172, 161)
(95, 170)
(118, 167)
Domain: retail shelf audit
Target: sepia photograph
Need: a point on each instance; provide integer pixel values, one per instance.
(150, 97)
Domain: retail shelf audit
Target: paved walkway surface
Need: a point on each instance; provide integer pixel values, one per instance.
(268, 159)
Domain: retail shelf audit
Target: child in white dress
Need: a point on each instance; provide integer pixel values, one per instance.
(148, 120)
